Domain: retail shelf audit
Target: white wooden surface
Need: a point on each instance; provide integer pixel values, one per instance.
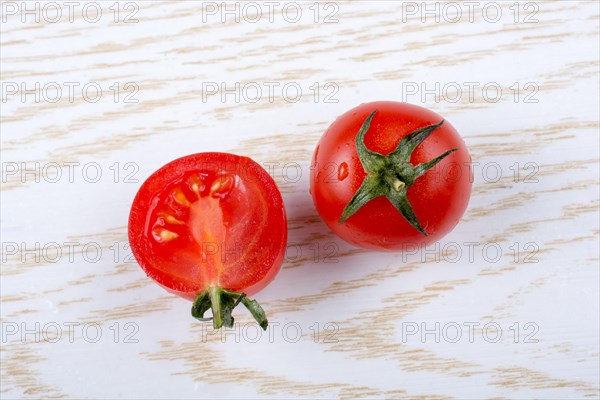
(367, 51)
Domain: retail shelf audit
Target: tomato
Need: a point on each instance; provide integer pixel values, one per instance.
(210, 227)
(391, 176)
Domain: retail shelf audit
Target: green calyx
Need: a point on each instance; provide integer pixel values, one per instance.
(222, 302)
(391, 175)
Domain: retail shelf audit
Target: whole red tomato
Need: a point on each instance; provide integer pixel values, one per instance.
(391, 176)
(210, 227)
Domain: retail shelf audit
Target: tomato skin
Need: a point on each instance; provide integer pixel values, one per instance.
(245, 226)
(438, 198)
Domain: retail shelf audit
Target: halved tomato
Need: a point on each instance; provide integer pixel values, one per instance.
(210, 227)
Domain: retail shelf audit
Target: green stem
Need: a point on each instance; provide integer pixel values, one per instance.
(222, 302)
(214, 294)
(392, 179)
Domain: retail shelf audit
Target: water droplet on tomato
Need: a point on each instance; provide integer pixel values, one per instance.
(343, 171)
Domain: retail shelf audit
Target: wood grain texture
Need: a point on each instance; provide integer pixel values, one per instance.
(81, 320)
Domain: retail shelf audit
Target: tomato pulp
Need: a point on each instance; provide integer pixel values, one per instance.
(210, 227)
(408, 187)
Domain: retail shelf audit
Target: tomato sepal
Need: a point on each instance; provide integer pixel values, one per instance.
(400, 201)
(393, 174)
(222, 302)
(200, 306)
(370, 189)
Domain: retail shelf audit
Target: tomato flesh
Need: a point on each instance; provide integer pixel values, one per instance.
(209, 220)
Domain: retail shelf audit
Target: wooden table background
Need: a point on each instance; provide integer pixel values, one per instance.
(81, 320)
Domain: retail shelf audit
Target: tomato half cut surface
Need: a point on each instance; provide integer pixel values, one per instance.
(210, 227)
